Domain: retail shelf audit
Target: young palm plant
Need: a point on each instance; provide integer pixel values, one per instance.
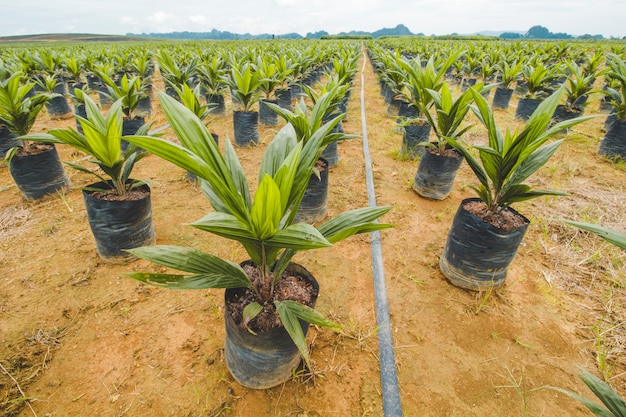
(418, 80)
(440, 162)
(448, 117)
(486, 232)
(244, 82)
(508, 73)
(263, 225)
(118, 207)
(613, 144)
(102, 140)
(35, 167)
(511, 158)
(18, 111)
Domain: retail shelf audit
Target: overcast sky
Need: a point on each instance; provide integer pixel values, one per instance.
(576, 17)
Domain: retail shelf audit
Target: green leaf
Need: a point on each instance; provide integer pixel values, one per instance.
(596, 409)
(605, 393)
(211, 270)
(291, 312)
(228, 226)
(299, 236)
(471, 161)
(266, 212)
(277, 151)
(187, 282)
(534, 161)
(353, 222)
(249, 312)
(517, 195)
(609, 397)
(236, 171)
(610, 235)
(199, 155)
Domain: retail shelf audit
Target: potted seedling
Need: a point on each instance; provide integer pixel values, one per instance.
(486, 231)
(244, 82)
(78, 99)
(536, 79)
(269, 78)
(174, 73)
(129, 92)
(34, 166)
(143, 66)
(312, 208)
(418, 80)
(57, 106)
(440, 162)
(211, 73)
(337, 92)
(508, 73)
(265, 325)
(285, 67)
(578, 87)
(613, 145)
(119, 207)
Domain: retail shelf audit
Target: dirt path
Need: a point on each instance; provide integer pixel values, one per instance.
(82, 338)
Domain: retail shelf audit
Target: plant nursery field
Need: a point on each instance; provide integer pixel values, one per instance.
(79, 337)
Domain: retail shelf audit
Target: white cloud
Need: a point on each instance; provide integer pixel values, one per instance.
(159, 17)
(199, 19)
(125, 20)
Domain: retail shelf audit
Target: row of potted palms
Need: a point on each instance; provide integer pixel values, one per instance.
(267, 226)
(486, 231)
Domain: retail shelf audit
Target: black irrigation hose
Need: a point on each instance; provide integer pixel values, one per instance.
(392, 406)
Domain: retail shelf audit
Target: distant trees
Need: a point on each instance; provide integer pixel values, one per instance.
(542, 32)
(511, 35)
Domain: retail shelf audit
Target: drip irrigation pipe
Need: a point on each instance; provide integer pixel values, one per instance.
(392, 406)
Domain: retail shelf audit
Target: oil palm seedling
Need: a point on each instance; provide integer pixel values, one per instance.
(265, 228)
(286, 67)
(34, 166)
(269, 79)
(313, 207)
(245, 82)
(578, 87)
(118, 207)
(57, 106)
(508, 74)
(74, 69)
(174, 72)
(335, 94)
(143, 66)
(211, 73)
(129, 92)
(440, 161)
(487, 231)
(613, 144)
(190, 98)
(417, 82)
(536, 78)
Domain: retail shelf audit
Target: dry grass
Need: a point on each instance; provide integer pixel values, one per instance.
(13, 221)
